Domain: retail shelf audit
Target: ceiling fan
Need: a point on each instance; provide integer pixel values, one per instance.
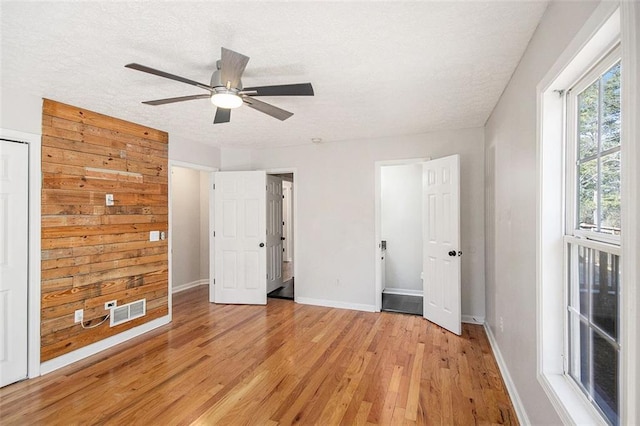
(226, 91)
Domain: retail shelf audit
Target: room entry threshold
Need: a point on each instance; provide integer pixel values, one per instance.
(402, 303)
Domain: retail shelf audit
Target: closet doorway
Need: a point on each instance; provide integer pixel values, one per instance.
(286, 289)
(401, 227)
(418, 233)
(190, 225)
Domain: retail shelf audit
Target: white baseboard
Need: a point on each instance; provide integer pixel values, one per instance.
(403, 291)
(94, 348)
(511, 386)
(335, 304)
(186, 286)
(473, 319)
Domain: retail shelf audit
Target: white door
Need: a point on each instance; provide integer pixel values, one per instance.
(14, 165)
(287, 218)
(240, 231)
(274, 233)
(441, 242)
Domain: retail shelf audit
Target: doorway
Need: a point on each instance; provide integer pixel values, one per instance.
(190, 225)
(418, 238)
(287, 289)
(401, 233)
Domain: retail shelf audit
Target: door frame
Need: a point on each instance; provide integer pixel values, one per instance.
(211, 171)
(378, 220)
(34, 143)
(294, 206)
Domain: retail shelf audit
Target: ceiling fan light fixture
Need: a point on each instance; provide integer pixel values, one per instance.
(227, 100)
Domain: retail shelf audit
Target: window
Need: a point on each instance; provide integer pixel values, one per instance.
(592, 235)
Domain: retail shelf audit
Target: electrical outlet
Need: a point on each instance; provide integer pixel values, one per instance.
(111, 304)
(109, 199)
(501, 325)
(79, 315)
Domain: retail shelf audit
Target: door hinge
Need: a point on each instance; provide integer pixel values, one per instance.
(214, 233)
(283, 223)
(214, 280)
(214, 186)
(283, 197)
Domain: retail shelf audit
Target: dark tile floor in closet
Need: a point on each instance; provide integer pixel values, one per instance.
(402, 303)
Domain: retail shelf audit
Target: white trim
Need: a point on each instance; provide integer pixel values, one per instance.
(109, 342)
(508, 381)
(610, 20)
(403, 292)
(571, 61)
(35, 184)
(570, 403)
(630, 332)
(336, 304)
(473, 319)
(377, 250)
(186, 286)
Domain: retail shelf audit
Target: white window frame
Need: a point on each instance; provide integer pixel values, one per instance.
(610, 21)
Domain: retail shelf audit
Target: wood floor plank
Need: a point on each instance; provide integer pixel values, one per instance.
(279, 364)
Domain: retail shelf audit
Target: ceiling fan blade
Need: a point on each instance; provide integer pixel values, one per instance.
(266, 108)
(178, 99)
(223, 115)
(232, 66)
(302, 89)
(167, 75)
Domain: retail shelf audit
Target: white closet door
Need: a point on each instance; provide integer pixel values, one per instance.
(441, 242)
(14, 166)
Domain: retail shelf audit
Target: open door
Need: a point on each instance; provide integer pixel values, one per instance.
(274, 233)
(441, 242)
(240, 232)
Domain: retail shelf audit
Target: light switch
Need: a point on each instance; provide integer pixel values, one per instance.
(109, 199)
(154, 235)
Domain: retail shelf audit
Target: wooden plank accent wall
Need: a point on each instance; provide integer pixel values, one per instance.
(92, 253)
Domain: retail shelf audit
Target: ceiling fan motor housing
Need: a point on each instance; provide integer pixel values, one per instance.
(216, 81)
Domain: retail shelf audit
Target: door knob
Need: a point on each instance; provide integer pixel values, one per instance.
(261, 244)
(282, 238)
(452, 253)
(459, 253)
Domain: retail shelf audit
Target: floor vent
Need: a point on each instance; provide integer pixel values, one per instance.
(124, 313)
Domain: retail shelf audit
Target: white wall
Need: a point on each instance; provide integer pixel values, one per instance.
(401, 225)
(335, 190)
(185, 226)
(511, 188)
(192, 152)
(20, 111)
(204, 225)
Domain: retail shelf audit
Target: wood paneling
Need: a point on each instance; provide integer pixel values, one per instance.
(283, 363)
(93, 253)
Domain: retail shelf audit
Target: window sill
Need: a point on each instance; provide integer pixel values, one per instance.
(570, 404)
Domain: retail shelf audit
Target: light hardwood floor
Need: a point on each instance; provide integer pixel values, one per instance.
(282, 363)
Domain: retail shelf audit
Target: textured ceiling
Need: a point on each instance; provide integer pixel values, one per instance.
(378, 68)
